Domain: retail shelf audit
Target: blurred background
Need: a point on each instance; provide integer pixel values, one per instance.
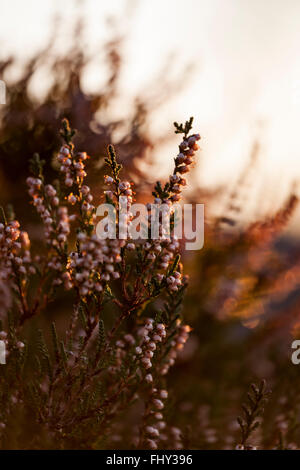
(122, 72)
(233, 65)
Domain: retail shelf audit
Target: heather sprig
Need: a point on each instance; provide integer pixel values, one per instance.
(171, 191)
(252, 410)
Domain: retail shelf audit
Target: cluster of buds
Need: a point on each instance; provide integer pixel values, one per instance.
(62, 276)
(187, 151)
(42, 196)
(171, 246)
(72, 167)
(39, 194)
(87, 198)
(184, 159)
(177, 344)
(151, 335)
(154, 418)
(174, 281)
(56, 221)
(177, 183)
(96, 262)
(153, 249)
(56, 233)
(162, 251)
(62, 228)
(88, 210)
(15, 256)
(51, 194)
(35, 185)
(124, 190)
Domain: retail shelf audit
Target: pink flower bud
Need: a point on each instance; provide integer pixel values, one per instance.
(69, 182)
(152, 431)
(158, 404)
(149, 378)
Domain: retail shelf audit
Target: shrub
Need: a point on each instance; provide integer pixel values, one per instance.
(124, 330)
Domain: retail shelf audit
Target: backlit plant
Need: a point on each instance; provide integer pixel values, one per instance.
(125, 326)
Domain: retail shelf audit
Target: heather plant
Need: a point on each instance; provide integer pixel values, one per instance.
(93, 328)
(125, 326)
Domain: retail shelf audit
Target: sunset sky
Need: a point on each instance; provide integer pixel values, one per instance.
(246, 79)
